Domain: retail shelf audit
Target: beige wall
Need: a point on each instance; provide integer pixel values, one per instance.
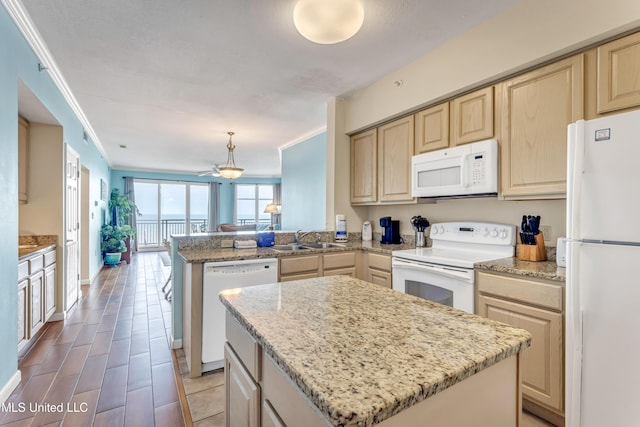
(530, 33)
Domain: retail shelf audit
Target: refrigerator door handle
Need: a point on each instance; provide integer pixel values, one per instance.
(575, 167)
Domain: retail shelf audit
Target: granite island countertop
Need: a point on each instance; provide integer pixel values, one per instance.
(361, 363)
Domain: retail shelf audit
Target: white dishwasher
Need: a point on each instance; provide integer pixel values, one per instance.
(218, 276)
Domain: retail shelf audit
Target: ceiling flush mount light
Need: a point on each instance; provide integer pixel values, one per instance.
(230, 170)
(328, 21)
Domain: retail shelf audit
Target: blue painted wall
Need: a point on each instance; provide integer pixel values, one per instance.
(20, 63)
(304, 180)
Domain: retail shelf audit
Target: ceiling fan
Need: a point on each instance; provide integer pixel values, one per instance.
(214, 171)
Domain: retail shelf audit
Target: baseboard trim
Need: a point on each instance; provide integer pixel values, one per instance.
(176, 343)
(10, 386)
(55, 317)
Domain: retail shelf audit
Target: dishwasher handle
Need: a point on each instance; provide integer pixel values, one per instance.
(440, 270)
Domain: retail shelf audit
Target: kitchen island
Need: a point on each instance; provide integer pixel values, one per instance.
(343, 352)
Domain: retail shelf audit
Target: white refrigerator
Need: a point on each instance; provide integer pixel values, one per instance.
(602, 368)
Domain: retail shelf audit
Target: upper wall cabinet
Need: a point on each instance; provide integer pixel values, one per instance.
(472, 117)
(23, 160)
(381, 164)
(364, 167)
(395, 148)
(536, 109)
(432, 128)
(619, 74)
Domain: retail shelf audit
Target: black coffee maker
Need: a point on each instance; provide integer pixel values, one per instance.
(391, 232)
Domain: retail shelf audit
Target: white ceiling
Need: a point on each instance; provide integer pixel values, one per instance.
(169, 78)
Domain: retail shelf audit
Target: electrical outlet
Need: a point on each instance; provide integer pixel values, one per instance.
(226, 243)
(546, 230)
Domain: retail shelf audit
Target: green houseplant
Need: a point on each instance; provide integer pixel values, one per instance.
(121, 209)
(112, 243)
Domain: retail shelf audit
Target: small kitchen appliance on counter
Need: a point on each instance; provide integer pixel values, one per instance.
(391, 232)
(366, 231)
(341, 228)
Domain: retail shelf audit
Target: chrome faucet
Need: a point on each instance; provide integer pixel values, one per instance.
(299, 236)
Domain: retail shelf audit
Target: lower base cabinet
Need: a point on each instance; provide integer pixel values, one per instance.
(242, 403)
(536, 306)
(23, 314)
(377, 269)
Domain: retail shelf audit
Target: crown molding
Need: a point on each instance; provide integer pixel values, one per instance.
(302, 138)
(24, 23)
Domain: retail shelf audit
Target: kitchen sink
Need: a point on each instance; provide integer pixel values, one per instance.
(290, 247)
(323, 245)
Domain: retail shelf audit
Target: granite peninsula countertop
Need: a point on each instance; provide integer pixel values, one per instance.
(541, 269)
(207, 254)
(361, 363)
(26, 252)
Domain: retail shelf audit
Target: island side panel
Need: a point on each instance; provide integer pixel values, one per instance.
(192, 317)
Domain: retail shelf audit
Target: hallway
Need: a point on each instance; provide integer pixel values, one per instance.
(109, 363)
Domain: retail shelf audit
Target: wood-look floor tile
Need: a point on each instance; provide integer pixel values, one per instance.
(101, 343)
(108, 322)
(119, 354)
(74, 362)
(54, 358)
(156, 328)
(37, 353)
(126, 313)
(111, 418)
(33, 392)
(164, 384)
(122, 329)
(140, 323)
(22, 423)
(154, 312)
(94, 316)
(139, 343)
(54, 329)
(114, 388)
(86, 335)
(58, 396)
(206, 403)
(139, 371)
(69, 333)
(169, 415)
(159, 350)
(139, 410)
(92, 374)
(83, 406)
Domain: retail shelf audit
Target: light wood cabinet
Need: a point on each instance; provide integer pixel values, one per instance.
(242, 394)
(536, 108)
(23, 160)
(537, 306)
(472, 117)
(618, 76)
(395, 148)
(364, 167)
(381, 164)
(339, 263)
(318, 265)
(431, 128)
(377, 269)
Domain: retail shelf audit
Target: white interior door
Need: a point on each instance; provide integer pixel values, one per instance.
(72, 226)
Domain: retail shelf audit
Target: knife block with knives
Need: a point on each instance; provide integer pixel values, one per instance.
(531, 247)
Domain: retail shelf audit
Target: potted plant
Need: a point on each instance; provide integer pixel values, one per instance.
(112, 244)
(121, 209)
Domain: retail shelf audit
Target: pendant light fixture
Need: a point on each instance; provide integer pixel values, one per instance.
(328, 21)
(230, 170)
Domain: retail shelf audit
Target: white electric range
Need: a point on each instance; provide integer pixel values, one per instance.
(443, 273)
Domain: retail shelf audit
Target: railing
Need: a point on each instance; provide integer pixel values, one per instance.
(147, 230)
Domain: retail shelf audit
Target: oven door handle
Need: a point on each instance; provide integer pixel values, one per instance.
(443, 271)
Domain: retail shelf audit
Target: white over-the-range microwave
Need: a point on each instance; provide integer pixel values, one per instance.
(469, 170)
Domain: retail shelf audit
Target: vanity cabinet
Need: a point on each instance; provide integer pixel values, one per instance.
(381, 164)
(36, 293)
(472, 117)
(377, 269)
(536, 109)
(536, 305)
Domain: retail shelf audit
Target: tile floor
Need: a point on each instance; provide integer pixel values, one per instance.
(110, 359)
(205, 395)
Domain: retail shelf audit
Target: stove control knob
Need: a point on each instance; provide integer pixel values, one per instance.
(442, 230)
(434, 230)
(494, 233)
(503, 234)
(485, 232)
